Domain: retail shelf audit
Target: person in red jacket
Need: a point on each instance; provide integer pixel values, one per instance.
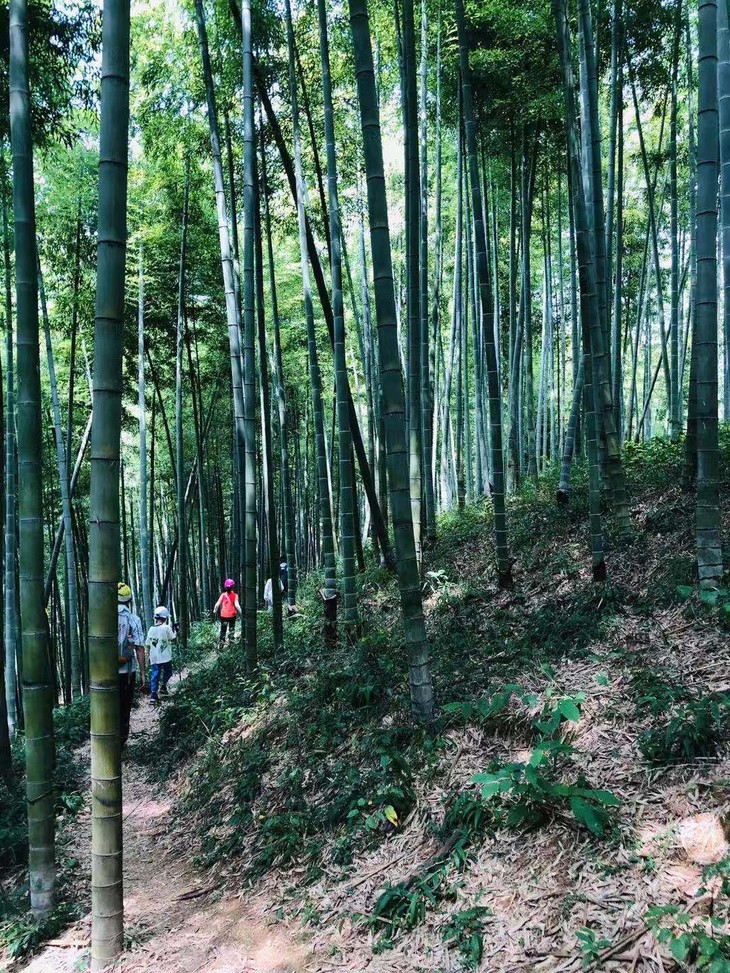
(228, 608)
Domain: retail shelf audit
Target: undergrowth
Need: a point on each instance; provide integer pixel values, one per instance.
(71, 730)
(316, 759)
(19, 932)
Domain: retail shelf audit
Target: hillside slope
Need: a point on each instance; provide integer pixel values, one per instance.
(569, 808)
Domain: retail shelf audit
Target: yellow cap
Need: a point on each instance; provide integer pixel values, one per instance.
(124, 592)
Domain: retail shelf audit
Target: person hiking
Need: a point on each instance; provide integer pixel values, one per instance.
(269, 593)
(159, 643)
(130, 650)
(227, 608)
(284, 577)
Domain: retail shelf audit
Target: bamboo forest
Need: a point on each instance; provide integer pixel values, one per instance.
(369, 363)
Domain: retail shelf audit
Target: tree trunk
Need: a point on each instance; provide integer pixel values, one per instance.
(413, 293)
(365, 472)
(723, 85)
(390, 372)
(617, 367)
(144, 537)
(589, 310)
(709, 549)
(314, 370)
(232, 309)
(504, 569)
(182, 564)
(344, 440)
(288, 502)
(36, 674)
(676, 392)
(249, 332)
(10, 569)
(429, 513)
(107, 903)
(266, 438)
(72, 617)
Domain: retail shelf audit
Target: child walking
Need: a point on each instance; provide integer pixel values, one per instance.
(229, 608)
(159, 643)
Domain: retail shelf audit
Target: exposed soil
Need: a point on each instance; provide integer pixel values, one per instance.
(174, 919)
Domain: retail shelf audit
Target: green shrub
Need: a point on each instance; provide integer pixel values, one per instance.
(654, 693)
(695, 943)
(529, 793)
(465, 930)
(696, 729)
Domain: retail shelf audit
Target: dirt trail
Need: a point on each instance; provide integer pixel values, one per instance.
(207, 932)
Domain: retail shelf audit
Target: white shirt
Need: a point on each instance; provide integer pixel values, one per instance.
(269, 592)
(158, 642)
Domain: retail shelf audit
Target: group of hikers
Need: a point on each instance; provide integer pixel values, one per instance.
(134, 648)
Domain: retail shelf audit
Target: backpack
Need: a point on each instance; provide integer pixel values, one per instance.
(124, 628)
(228, 605)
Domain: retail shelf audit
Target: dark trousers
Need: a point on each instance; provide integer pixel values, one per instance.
(126, 695)
(227, 623)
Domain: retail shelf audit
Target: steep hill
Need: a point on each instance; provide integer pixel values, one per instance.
(577, 777)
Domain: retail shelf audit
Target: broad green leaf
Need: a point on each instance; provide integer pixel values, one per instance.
(709, 596)
(606, 798)
(569, 710)
(684, 592)
(492, 784)
(538, 757)
(586, 814)
(679, 948)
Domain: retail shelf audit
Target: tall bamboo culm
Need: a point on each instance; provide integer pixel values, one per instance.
(107, 901)
(588, 306)
(64, 484)
(709, 549)
(504, 569)
(224, 238)
(249, 331)
(10, 619)
(328, 554)
(36, 671)
(182, 558)
(144, 536)
(347, 493)
(391, 377)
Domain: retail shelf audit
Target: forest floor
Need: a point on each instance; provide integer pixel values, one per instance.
(569, 809)
(174, 919)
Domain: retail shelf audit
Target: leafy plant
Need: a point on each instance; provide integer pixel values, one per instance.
(655, 693)
(469, 814)
(695, 730)
(404, 906)
(530, 795)
(699, 943)
(528, 791)
(555, 714)
(465, 930)
(489, 707)
(591, 945)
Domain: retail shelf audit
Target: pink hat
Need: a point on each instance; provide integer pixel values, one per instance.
(229, 583)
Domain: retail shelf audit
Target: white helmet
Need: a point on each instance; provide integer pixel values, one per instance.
(162, 613)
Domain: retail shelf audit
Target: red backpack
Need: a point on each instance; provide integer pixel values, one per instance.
(228, 604)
